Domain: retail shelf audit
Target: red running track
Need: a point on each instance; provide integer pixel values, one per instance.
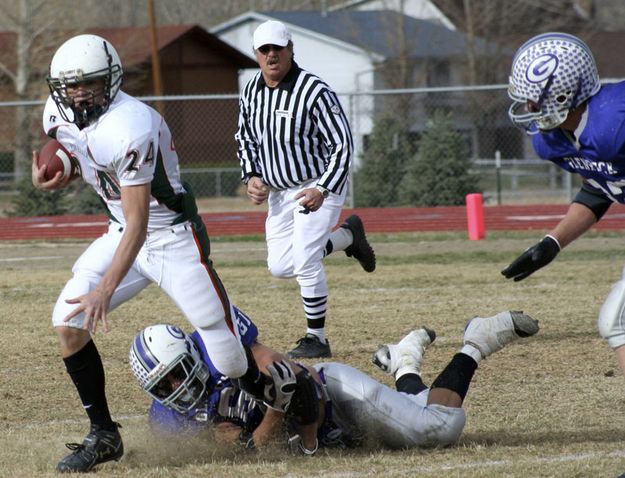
(497, 218)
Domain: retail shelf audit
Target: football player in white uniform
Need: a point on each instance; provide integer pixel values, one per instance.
(126, 153)
(352, 406)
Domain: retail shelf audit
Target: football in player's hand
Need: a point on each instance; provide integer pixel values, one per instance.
(58, 159)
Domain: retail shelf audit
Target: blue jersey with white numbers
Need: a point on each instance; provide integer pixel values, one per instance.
(599, 156)
(224, 402)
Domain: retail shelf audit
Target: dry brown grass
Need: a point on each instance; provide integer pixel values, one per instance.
(552, 405)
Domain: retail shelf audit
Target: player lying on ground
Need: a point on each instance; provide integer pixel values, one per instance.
(352, 406)
(188, 391)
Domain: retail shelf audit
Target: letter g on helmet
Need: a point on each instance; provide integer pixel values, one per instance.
(554, 73)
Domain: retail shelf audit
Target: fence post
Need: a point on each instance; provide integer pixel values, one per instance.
(498, 171)
(350, 191)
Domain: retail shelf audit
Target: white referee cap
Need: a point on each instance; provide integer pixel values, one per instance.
(271, 33)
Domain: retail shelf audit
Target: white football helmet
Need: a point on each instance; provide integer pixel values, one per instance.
(82, 59)
(169, 367)
(551, 74)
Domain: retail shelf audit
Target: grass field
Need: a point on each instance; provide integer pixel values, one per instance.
(549, 406)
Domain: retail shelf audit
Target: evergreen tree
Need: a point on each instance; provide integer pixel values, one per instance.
(30, 201)
(439, 174)
(376, 181)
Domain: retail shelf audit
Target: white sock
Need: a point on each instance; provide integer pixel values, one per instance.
(401, 371)
(472, 352)
(318, 333)
(341, 239)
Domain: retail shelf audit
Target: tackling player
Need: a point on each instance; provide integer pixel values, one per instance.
(579, 125)
(352, 406)
(126, 153)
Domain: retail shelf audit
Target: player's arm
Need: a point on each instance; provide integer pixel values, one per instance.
(65, 133)
(38, 177)
(295, 391)
(135, 203)
(586, 209)
(269, 428)
(578, 219)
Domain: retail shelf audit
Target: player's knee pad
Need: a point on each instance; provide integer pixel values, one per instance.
(611, 321)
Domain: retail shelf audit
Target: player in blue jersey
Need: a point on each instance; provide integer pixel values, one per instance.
(175, 370)
(579, 125)
(349, 406)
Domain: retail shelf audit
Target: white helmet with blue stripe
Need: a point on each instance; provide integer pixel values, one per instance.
(552, 74)
(169, 367)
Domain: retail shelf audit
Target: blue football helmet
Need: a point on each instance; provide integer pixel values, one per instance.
(551, 75)
(169, 367)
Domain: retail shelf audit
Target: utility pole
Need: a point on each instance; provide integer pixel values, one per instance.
(156, 62)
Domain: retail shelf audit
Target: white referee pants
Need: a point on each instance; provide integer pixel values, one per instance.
(171, 259)
(296, 241)
(367, 409)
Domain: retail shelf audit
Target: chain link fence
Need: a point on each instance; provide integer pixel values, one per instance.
(203, 128)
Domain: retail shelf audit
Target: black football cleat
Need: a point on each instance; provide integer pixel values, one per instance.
(359, 249)
(99, 446)
(310, 346)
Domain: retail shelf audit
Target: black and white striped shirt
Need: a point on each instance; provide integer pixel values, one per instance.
(294, 132)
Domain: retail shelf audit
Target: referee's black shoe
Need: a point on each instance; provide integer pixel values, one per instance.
(99, 446)
(360, 249)
(309, 346)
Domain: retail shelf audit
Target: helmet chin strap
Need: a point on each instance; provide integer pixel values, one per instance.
(87, 115)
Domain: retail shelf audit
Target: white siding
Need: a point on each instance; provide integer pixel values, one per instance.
(345, 69)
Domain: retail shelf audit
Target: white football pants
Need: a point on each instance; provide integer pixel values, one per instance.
(296, 241)
(170, 258)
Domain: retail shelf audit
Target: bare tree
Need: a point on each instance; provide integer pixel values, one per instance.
(27, 26)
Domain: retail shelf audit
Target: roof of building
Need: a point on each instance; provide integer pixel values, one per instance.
(132, 43)
(383, 32)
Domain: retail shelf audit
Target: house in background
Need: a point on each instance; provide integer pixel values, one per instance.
(422, 9)
(358, 51)
(193, 61)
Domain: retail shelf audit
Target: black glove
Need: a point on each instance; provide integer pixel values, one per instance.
(535, 257)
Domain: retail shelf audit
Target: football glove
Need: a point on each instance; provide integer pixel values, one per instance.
(280, 389)
(535, 257)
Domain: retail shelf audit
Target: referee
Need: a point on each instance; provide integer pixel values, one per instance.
(295, 148)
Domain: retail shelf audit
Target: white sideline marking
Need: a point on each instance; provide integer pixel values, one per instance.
(36, 258)
(546, 217)
(48, 225)
(483, 464)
